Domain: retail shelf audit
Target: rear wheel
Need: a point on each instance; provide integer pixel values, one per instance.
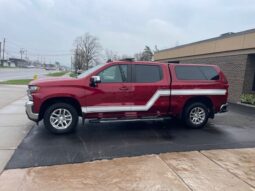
(196, 115)
(60, 118)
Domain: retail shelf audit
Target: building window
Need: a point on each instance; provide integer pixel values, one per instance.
(253, 86)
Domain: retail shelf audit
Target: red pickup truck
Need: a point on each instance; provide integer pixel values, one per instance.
(128, 91)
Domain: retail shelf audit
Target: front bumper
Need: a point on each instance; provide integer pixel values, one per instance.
(29, 110)
(224, 108)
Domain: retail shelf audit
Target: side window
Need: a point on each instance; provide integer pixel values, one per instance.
(114, 74)
(147, 73)
(196, 73)
(210, 73)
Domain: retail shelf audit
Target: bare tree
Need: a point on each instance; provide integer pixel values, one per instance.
(87, 51)
(114, 56)
(138, 56)
(111, 55)
(146, 55)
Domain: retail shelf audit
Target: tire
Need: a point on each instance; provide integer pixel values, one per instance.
(196, 115)
(60, 118)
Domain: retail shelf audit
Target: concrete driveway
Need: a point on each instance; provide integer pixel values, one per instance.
(214, 170)
(14, 124)
(234, 129)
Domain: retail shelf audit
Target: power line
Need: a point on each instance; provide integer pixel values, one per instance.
(19, 45)
(17, 50)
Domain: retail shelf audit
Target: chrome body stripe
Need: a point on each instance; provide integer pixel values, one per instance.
(151, 102)
(199, 92)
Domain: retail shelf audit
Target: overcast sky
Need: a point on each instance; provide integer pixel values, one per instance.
(48, 27)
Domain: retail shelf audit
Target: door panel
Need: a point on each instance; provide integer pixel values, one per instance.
(151, 93)
(111, 97)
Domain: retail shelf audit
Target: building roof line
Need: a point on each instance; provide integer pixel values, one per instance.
(222, 36)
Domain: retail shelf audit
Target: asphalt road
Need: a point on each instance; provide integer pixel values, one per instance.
(20, 73)
(235, 129)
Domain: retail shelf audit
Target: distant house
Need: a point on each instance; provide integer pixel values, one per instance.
(21, 63)
(4, 63)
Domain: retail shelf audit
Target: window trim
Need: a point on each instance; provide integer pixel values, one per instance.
(133, 78)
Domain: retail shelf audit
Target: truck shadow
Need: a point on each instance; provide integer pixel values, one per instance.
(110, 140)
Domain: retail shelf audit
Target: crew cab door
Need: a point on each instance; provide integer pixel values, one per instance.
(111, 97)
(151, 95)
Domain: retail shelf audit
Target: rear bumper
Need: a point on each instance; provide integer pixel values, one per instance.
(29, 110)
(224, 108)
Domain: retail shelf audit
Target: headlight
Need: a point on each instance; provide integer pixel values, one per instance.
(31, 89)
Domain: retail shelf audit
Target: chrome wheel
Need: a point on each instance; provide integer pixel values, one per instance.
(197, 115)
(61, 118)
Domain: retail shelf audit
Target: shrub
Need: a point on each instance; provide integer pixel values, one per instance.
(248, 98)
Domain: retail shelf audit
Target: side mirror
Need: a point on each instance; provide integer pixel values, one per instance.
(94, 80)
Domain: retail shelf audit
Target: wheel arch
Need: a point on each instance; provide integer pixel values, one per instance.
(201, 99)
(72, 101)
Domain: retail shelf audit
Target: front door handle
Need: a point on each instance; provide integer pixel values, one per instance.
(124, 88)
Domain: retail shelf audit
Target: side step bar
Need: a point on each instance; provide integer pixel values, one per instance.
(117, 120)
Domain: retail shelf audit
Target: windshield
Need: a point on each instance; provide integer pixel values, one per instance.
(89, 71)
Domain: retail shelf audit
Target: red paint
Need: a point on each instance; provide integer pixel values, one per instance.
(121, 94)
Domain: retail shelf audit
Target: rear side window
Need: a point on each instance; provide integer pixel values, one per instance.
(146, 73)
(196, 73)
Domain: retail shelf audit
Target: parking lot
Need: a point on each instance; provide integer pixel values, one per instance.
(234, 129)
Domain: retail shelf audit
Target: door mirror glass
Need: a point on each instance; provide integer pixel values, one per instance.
(94, 80)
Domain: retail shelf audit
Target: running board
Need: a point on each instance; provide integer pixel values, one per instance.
(117, 120)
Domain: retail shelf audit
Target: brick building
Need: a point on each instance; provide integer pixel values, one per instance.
(234, 53)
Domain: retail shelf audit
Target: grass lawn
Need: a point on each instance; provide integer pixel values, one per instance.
(73, 75)
(17, 82)
(56, 74)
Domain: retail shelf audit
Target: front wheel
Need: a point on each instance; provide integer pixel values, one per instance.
(60, 118)
(196, 115)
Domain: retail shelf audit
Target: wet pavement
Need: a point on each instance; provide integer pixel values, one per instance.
(234, 129)
(184, 171)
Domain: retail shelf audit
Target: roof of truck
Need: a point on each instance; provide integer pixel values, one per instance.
(152, 62)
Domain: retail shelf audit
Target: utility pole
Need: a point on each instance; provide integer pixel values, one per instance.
(26, 55)
(22, 51)
(3, 48)
(0, 50)
(71, 63)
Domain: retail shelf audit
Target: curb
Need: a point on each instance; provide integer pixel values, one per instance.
(247, 105)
